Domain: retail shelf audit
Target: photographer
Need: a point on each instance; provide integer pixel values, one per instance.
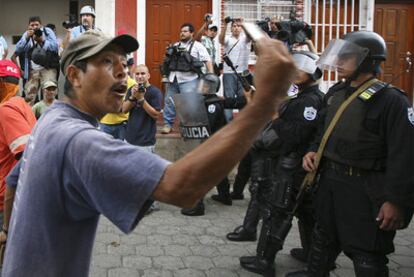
(237, 49)
(206, 35)
(87, 16)
(39, 47)
(183, 65)
(143, 102)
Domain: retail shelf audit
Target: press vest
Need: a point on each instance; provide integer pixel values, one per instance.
(350, 142)
(181, 60)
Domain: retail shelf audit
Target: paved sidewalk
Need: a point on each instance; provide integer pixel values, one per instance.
(168, 244)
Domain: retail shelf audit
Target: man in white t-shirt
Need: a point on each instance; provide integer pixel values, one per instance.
(237, 48)
(183, 76)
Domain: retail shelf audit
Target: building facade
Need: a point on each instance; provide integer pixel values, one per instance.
(156, 23)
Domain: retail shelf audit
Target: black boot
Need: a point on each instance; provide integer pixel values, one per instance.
(370, 266)
(241, 234)
(197, 210)
(242, 177)
(247, 232)
(223, 195)
(305, 232)
(226, 200)
(260, 266)
(306, 223)
(263, 263)
(321, 257)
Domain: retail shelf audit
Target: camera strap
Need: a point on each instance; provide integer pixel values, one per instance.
(228, 53)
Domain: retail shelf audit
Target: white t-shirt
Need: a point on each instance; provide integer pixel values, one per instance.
(198, 51)
(239, 55)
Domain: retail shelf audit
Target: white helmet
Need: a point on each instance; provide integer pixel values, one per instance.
(87, 10)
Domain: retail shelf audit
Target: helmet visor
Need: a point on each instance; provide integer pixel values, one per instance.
(342, 55)
(305, 63)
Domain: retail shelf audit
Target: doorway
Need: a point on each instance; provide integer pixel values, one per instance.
(164, 18)
(395, 23)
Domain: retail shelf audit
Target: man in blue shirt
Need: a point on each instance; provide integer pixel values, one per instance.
(86, 172)
(143, 102)
(87, 17)
(37, 36)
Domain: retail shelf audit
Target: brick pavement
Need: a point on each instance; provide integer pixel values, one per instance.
(167, 244)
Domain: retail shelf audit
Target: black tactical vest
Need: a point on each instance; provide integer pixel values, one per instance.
(350, 142)
(181, 60)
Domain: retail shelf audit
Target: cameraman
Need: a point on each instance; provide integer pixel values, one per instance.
(87, 16)
(237, 48)
(44, 38)
(273, 29)
(184, 61)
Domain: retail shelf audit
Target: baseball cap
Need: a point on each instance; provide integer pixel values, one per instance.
(213, 26)
(49, 84)
(91, 43)
(9, 69)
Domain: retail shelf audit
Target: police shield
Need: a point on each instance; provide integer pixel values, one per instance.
(192, 113)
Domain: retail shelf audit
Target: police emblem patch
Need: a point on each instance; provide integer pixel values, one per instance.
(211, 108)
(310, 113)
(411, 115)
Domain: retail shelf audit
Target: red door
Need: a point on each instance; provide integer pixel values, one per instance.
(395, 22)
(164, 18)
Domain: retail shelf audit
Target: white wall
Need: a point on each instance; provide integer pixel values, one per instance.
(105, 16)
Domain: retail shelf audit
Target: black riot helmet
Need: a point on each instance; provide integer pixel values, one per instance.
(360, 51)
(375, 44)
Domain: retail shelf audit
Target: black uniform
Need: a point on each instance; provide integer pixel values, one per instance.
(276, 170)
(365, 163)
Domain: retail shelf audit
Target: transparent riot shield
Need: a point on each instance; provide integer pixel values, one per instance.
(192, 113)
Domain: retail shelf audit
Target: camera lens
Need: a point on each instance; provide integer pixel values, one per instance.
(38, 32)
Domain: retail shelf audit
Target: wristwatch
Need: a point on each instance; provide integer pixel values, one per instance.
(134, 100)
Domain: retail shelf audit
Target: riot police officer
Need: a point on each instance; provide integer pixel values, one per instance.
(276, 166)
(202, 114)
(365, 190)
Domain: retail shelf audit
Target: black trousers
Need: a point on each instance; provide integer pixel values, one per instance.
(347, 215)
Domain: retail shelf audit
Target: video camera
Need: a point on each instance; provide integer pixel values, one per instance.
(173, 49)
(71, 23)
(293, 31)
(264, 25)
